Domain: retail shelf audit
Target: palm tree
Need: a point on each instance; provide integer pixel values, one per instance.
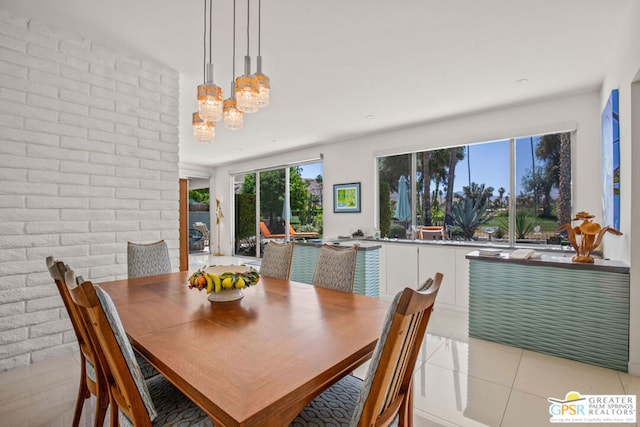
(455, 155)
(501, 192)
(564, 180)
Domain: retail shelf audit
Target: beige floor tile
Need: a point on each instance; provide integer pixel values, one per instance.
(430, 344)
(25, 381)
(526, 410)
(550, 376)
(458, 398)
(478, 358)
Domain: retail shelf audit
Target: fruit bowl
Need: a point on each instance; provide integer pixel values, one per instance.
(224, 282)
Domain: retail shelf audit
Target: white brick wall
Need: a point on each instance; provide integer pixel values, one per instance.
(88, 161)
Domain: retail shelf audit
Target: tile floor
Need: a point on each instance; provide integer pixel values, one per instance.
(459, 381)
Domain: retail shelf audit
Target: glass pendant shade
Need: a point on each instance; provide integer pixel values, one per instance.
(247, 90)
(264, 85)
(233, 117)
(202, 131)
(210, 98)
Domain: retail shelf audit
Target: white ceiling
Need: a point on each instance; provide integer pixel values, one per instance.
(333, 63)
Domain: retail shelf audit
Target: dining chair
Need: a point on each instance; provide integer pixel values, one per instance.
(134, 401)
(276, 260)
(384, 397)
(92, 381)
(147, 259)
(336, 268)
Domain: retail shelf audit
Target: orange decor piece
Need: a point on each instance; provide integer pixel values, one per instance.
(586, 236)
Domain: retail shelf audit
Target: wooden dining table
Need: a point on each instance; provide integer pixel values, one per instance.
(257, 361)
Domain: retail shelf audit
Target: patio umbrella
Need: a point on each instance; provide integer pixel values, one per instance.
(403, 207)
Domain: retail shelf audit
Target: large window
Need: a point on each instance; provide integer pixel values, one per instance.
(290, 206)
(510, 191)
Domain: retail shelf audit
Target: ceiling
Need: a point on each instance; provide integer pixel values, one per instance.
(340, 69)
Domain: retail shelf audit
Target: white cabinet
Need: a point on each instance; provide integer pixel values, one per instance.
(401, 268)
(410, 264)
(433, 259)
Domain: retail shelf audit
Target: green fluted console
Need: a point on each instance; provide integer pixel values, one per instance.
(552, 306)
(367, 275)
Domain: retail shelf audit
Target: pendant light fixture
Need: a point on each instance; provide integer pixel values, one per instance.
(264, 83)
(202, 131)
(247, 85)
(233, 117)
(209, 95)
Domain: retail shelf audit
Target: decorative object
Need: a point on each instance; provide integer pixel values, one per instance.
(219, 216)
(233, 117)
(346, 197)
(224, 282)
(611, 161)
(586, 236)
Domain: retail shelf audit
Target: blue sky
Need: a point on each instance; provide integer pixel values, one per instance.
(311, 170)
(489, 164)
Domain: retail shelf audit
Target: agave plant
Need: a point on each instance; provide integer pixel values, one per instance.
(469, 215)
(524, 225)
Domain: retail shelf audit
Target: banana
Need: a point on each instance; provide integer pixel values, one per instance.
(217, 285)
(209, 283)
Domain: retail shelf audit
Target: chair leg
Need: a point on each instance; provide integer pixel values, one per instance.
(83, 393)
(102, 404)
(113, 412)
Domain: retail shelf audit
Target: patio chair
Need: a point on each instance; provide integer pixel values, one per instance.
(92, 380)
(264, 230)
(384, 397)
(276, 260)
(134, 401)
(301, 234)
(431, 232)
(148, 259)
(202, 227)
(336, 268)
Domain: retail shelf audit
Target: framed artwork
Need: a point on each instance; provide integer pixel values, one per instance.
(611, 162)
(346, 197)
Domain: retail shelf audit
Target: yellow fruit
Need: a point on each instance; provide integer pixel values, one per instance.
(227, 282)
(209, 283)
(217, 286)
(240, 283)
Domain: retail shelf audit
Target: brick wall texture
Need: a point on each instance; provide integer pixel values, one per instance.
(88, 161)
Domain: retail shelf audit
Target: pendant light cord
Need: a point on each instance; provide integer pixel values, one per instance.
(211, 33)
(247, 27)
(204, 44)
(233, 63)
(259, 24)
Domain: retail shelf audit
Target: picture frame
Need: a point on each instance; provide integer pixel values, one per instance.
(346, 198)
(611, 162)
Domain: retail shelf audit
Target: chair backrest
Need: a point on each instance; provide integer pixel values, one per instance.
(202, 227)
(387, 383)
(148, 259)
(127, 385)
(276, 260)
(264, 229)
(58, 270)
(336, 268)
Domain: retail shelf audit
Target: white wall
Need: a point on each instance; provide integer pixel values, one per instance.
(88, 161)
(624, 74)
(354, 160)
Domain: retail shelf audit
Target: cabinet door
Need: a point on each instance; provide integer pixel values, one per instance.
(432, 260)
(401, 267)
